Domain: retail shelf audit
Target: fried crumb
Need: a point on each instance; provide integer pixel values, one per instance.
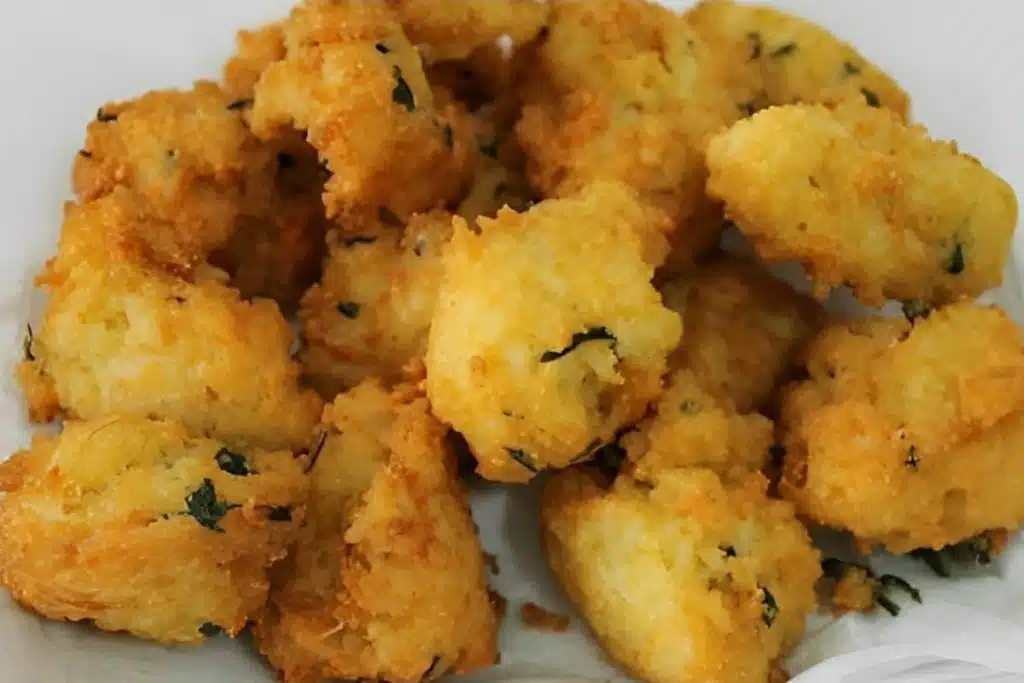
(537, 618)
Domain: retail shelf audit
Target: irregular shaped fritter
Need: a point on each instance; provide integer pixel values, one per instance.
(137, 526)
(387, 580)
(255, 50)
(695, 427)
(685, 579)
(626, 91)
(355, 85)
(125, 332)
(549, 337)
(907, 434)
(861, 199)
(769, 57)
(370, 315)
(453, 30)
(742, 328)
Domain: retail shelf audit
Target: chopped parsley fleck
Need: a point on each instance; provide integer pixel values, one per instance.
(202, 505)
(104, 117)
(916, 310)
(233, 463)
(592, 334)
(26, 344)
(955, 265)
(210, 629)
(85, 154)
(523, 458)
(783, 50)
(239, 105)
(850, 69)
(402, 93)
(871, 98)
(318, 447)
(935, 560)
(382, 48)
(358, 239)
(431, 669)
(449, 137)
(728, 550)
(279, 513)
(756, 45)
(690, 407)
(349, 309)
(769, 607)
(913, 460)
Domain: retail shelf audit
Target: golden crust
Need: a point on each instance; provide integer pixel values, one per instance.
(137, 526)
(387, 581)
(548, 336)
(907, 435)
(255, 50)
(769, 57)
(684, 580)
(861, 199)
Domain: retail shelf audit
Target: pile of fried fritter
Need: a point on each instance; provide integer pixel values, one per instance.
(498, 225)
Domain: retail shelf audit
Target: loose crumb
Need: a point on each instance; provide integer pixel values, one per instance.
(491, 560)
(499, 603)
(536, 617)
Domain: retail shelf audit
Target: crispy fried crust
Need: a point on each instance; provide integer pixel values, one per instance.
(742, 328)
(768, 57)
(909, 435)
(685, 581)
(387, 581)
(370, 315)
(132, 327)
(355, 85)
(549, 336)
(255, 50)
(137, 526)
(861, 199)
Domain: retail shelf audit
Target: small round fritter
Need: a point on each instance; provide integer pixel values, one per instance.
(255, 50)
(355, 85)
(742, 328)
(684, 579)
(769, 57)
(370, 315)
(137, 526)
(907, 434)
(861, 199)
(124, 333)
(448, 30)
(387, 580)
(695, 427)
(549, 337)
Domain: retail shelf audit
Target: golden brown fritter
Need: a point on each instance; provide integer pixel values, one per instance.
(548, 336)
(695, 427)
(908, 435)
(355, 85)
(861, 199)
(685, 579)
(130, 327)
(387, 580)
(741, 328)
(453, 30)
(769, 57)
(139, 527)
(370, 315)
(255, 50)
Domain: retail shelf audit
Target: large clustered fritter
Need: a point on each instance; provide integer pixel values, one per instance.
(496, 226)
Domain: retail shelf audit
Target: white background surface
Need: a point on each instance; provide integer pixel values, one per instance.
(61, 59)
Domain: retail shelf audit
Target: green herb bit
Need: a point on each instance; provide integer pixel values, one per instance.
(769, 607)
(916, 310)
(523, 458)
(690, 407)
(591, 334)
(727, 550)
(837, 569)
(238, 105)
(980, 549)
(209, 629)
(934, 559)
(783, 50)
(358, 239)
(26, 344)
(382, 48)
(449, 137)
(955, 265)
(318, 447)
(402, 93)
(913, 460)
(85, 154)
(850, 69)
(202, 505)
(349, 309)
(871, 98)
(756, 45)
(279, 513)
(431, 669)
(889, 581)
(233, 463)
(104, 117)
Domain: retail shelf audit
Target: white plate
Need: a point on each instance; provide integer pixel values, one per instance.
(61, 59)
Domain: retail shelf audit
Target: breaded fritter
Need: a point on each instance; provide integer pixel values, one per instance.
(387, 580)
(355, 85)
(453, 30)
(549, 337)
(685, 579)
(861, 199)
(255, 50)
(370, 315)
(908, 434)
(742, 328)
(137, 526)
(769, 57)
(122, 332)
(694, 427)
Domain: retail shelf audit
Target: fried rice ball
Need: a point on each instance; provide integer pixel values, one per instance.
(370, 315)
(742, 328)
(684, 579)
(861, 199)
(129, 328)
(387, 580)
(696, 427)
(454, 30)
(769, 57)
(355, 85)
(548, 336)
(255, 50)
(908, 434)
(139, 527)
